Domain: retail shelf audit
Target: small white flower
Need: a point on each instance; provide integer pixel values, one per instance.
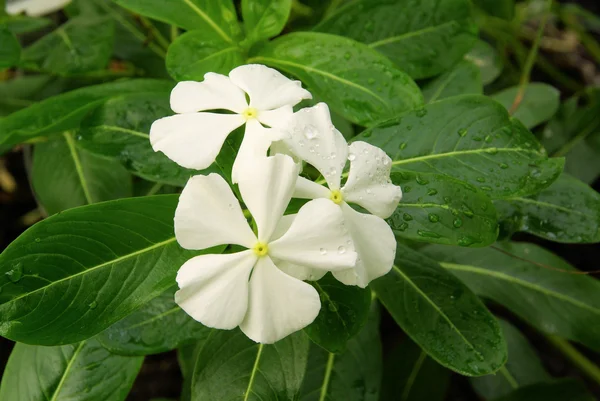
(193, 138)
(34, 8)
(313, 138)
(247, 288)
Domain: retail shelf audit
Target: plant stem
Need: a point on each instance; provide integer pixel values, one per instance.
(566, 148)
(589, 368)
(174, 33)
(154, 32)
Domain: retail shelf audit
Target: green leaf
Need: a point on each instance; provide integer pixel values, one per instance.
(423, 37)
(18, 93)
(498, 8)
(355, 81)
(540, 102)
(217, 17)
(541, 288)
(80, 271)
(441, 315)
(10, 51)
(567, 211)
(64, 176)
(81, 45)
(464, 78)
(158, 326)
(354, 375)
(560, 390)
(523, 367)
(195, 53)
(484, 56)
(65, 111)
(409, 372)
(264, 19)
(20, 24)
(344, 311)
(439, 209)
(120, 129)
(231, 366)
(470, 138)
(82, 372)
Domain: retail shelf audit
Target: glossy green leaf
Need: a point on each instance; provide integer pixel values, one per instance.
(344, 310)
(439, 209)
(423, 37)
(498, 8)
(82, 372)
(357, 82)
(264, 19)
(567, 211)
(80, 271)
(120, 128)
(470, 138)
(441, 315)
(540, 102)
(10, 49)
(523, 367)
(230, 366)
(158, 326)
(20, 24)
(354, 375)
(487, 59)
(535, 284)
(64, 176)
(560, 390)
(80, 45)
(195, 53)
(18, 93)
(464, 78)
(65, 111)
(218, 17)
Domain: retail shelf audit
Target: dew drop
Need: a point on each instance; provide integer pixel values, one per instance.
(402, 146)
(428, 234)
(93, 305)
(432, 192)
(323, 251)
(422, 181)
(347, 56)
(462, 132)
(434, 218)
(341, 249)
(15, 274)
(457, 223)
(407, 217)
(310, 132)
(351, 157)
(503, 166)
(421, 113)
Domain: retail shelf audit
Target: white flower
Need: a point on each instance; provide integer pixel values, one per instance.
(34, 8)
(313, 138)
(247, 289)
(193, 138)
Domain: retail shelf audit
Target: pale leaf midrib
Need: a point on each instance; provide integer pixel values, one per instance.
(398, 38)
(253, 373)
(67, 370)
(78, 168)
(209, 20)
(459, 153)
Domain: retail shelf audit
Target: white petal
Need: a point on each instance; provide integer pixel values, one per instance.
(215, 92)
(279, 304)
(266, 188)
(34, 8)
(317, 238)
(267, 88)
(193, 140)
(278, 118)
(375, 244)
(300, 272)
(214, 288)
(307, 189)
(312, 137)
(208, 214)
(369, 182)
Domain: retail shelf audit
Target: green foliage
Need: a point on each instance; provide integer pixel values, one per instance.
(558, 391)
(540, 102)
(264, 19)
(487, 59)
(464, 78)
(10, 51)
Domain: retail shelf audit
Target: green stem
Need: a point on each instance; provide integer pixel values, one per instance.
(301, 9)
(566, 148)
(586, 366)
(174, 33)
(155, 33)
(155, 188)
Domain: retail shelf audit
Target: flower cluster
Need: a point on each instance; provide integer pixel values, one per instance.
(262, 288)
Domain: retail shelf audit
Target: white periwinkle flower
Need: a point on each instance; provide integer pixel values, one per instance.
(313, 138)
(247, 288)
(34, 8)
(193, 137)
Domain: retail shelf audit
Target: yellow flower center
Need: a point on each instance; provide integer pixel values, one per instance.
(336, 196)
(250, 113)
(261, 249)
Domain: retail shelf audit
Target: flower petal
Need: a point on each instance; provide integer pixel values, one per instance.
(34, 8)
(266, 188)
(215, 92)
(307, 189)
(375, 244)
(267, 88)
(193, 140)
(312, 137)
(208, 214)
(277, 118)
(369, 182)
(214, 288)
(317, 238)
(278, 304)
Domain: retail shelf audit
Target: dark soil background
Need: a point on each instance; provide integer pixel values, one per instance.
(160, 375)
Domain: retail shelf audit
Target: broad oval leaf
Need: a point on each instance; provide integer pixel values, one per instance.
(82, 372)
(20, 92)
(65, 111)
(80, 271)
(423, 37)
(441, 315)
(464, 78)
(560, 390)
(264, 19)
(472, 139)
(344, 311)
(10, 51)
(539, 103)
(541, 288)
(567, 211)
(357, 82)
(19, 24)
(486, 58)
(439, 209)
(158, 326)
(230, 366)
(64, 176)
